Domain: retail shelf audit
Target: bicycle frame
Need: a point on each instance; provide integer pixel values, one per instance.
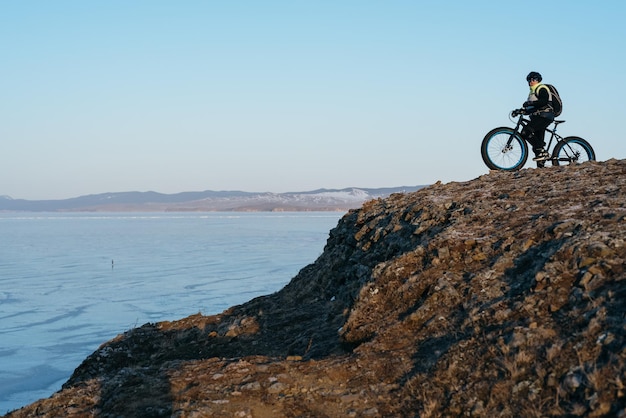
(522, 121)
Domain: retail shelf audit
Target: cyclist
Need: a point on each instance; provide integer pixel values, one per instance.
(539, 107)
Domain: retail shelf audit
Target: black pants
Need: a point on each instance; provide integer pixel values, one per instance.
(535, 132)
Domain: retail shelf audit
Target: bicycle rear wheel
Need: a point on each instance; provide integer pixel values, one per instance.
(504, 149)
(572, 150)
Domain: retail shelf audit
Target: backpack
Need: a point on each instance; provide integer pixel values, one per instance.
(557, 103)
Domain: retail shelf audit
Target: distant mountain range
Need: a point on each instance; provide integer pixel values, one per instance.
(209, 201)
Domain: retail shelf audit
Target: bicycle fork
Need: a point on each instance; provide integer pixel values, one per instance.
(508, 146)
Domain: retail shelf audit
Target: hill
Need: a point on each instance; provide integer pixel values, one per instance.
(207, 201)
(501, 296)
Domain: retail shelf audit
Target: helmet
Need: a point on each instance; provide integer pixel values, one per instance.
(533, 75)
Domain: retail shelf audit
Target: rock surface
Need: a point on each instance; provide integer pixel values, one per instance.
(501, 296)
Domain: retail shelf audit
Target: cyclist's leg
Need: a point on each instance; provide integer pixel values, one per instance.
(537, 133)
(528, 133)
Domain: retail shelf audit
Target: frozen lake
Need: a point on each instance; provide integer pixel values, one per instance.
(70, 282)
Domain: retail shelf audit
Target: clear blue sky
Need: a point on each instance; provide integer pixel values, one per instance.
(172, 96)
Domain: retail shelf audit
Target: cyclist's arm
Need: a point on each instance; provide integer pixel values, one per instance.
(543, 99)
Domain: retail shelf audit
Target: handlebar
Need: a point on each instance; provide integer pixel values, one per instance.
(517, 112)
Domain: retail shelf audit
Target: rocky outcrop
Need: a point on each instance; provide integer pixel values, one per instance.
(500, 296)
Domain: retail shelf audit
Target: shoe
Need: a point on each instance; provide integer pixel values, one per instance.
(541, 155)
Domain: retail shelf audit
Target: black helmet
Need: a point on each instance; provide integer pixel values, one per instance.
(533, 75)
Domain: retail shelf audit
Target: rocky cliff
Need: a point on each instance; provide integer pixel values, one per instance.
(500, 296)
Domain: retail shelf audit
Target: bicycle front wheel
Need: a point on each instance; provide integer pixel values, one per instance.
(572, 150)
(504, 149)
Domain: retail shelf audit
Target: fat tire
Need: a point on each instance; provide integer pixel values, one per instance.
(494, 156)
(565, 151)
